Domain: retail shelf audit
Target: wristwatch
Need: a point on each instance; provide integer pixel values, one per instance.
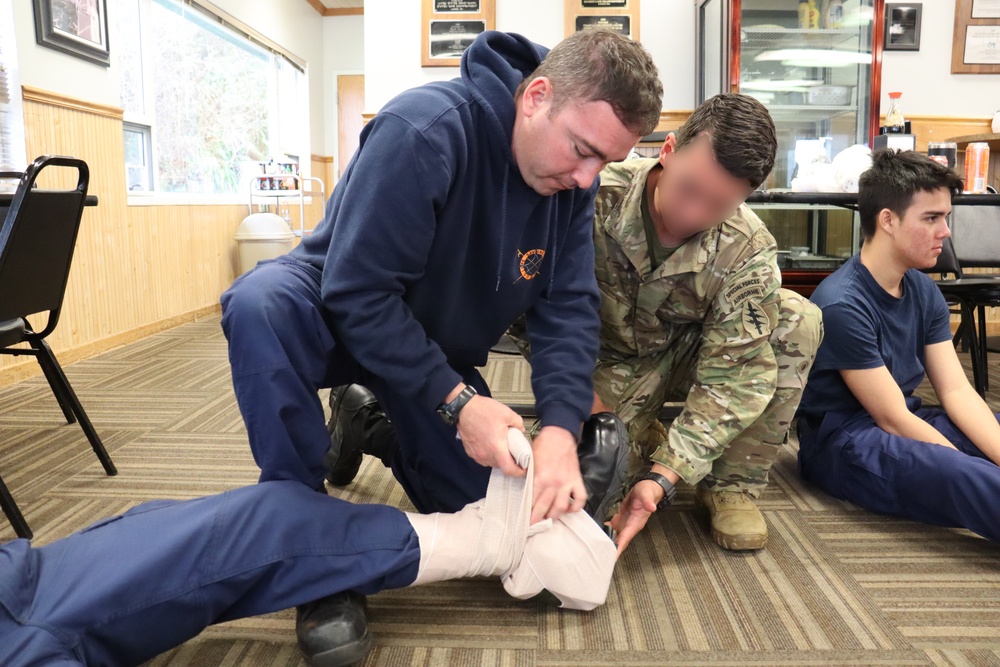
(449, 411)
(669, 491)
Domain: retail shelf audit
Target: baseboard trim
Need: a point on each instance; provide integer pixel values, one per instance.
(29, 368)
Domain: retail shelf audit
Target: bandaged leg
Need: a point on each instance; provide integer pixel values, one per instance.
(485, 538)
(572, 558)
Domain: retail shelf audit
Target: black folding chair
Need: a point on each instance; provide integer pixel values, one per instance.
(967, 294)
(37, 238)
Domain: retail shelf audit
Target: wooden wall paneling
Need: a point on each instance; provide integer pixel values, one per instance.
(136, 269)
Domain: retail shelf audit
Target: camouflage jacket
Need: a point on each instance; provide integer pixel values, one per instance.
(724, 279)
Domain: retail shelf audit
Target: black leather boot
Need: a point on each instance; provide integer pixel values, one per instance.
(358, 425)
(604, 456)
(333, 631)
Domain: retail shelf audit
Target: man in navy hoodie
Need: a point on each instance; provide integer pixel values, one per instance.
(468, 203)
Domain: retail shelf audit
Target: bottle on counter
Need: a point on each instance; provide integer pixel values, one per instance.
(894, 121)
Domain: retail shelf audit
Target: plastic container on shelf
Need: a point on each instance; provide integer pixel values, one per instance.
(262, 236)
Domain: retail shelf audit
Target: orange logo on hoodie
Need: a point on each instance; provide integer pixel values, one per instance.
(531, 263)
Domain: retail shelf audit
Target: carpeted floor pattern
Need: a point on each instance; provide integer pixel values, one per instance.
(836, 585)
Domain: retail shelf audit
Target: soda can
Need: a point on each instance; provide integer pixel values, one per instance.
(977, 160)
(943, 152)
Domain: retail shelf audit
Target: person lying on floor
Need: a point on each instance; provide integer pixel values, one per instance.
(135, 585)
(863, 435)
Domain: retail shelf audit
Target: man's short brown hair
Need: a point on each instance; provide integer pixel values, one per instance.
(892, 181)
(741, 132)
(600, 65)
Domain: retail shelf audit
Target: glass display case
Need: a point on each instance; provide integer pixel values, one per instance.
(816, 65)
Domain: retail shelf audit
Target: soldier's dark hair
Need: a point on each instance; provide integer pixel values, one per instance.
(600, 65)
(741, 131)
(892, 181)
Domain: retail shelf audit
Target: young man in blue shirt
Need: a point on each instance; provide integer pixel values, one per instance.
(863, 436)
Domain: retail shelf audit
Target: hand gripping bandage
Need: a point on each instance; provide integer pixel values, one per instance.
(571, 557)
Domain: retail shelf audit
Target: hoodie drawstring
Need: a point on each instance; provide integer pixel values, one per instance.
(503, 225)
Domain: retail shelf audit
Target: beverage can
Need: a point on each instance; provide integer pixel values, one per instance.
(944, 152)
(977, 159)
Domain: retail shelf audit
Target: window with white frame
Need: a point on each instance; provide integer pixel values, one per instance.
(204, 100)
(12, 148)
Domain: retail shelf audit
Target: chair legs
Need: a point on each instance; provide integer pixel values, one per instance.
(57, 390)
(972, 343)
(64, 393)
(981, 321)
(13, 513)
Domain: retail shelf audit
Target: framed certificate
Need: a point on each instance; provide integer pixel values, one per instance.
(448, 27)
(986, 9)
(982, 45)
(622, 16)
(975, 46)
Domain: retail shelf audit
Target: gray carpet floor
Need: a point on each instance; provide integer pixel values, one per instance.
(836, 586)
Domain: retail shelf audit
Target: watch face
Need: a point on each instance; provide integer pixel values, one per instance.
(445, 415)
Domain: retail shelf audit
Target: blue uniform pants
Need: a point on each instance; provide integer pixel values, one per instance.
(851, 458)
(282, 351)
(132, 586)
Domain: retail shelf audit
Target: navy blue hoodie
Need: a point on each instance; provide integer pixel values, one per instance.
(432, 244)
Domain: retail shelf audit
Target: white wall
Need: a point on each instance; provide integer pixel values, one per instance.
(58, 72)
(343, 53)
(392, 44)
(293, 24)
(925, 79)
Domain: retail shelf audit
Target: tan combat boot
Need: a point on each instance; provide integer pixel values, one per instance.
(737, 524)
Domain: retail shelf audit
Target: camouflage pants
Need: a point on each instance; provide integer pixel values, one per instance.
(637, 396)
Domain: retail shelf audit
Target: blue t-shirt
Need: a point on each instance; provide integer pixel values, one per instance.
(866, 327)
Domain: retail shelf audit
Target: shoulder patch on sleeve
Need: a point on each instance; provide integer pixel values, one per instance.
(750, 288)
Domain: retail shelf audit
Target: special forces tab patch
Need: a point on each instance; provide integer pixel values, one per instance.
(747, 288)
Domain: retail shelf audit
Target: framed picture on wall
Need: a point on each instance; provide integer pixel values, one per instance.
(619, 15)
(902, 26)
(76, 27)
(975, 46)
(448, 27)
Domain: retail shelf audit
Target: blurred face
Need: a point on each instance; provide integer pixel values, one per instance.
(693, 192)
(564, 149)
(917, 236)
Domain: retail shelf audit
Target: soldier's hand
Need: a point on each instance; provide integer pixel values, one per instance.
(635, 510)
(558, 485)
(482, 426)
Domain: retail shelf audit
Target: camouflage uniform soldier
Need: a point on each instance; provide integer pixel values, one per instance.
(692, 309)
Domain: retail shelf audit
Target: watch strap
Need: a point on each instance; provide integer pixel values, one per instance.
(669, 490)
(449, 411)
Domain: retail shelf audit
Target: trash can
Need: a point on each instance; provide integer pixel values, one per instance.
(262, 236)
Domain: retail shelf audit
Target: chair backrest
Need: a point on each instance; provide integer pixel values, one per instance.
(947, 262)
(37, 238)
(975, 231)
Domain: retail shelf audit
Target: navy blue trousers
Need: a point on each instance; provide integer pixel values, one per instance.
(851, 458)
(282, 351)
(132, 586)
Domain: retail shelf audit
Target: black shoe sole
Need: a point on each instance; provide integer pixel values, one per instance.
(343, 473)
(343, 655)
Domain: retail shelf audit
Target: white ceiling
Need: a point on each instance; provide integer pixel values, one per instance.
(341, 4)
